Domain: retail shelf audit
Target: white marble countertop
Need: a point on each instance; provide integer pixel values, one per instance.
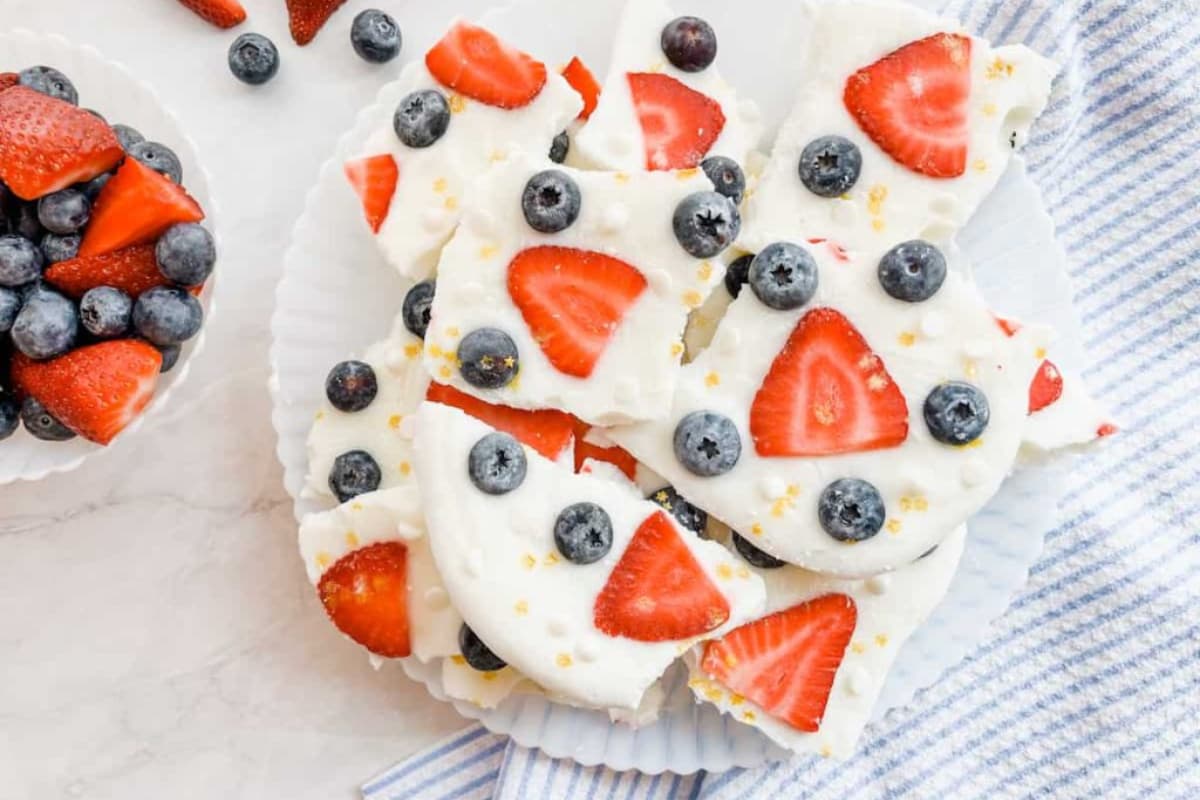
(158, 637)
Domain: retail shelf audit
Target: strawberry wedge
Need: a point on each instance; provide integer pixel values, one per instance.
(134, 207)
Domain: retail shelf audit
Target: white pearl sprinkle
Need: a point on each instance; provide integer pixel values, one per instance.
(395, 360)
(729, 340)
(614, 218)
(857, 681)
(660, 280)
(879, 584)
(436, 598)
(586, 650)
(772, 487)
(974, 472)
(933, 325)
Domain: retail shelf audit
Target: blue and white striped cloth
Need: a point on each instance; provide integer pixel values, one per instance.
(1090, 685)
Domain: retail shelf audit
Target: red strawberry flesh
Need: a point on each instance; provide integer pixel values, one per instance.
(365, 595)
(679, 125)
(374, 180)
(475, 63)
(307, 17)
(1046, 388)
(134, 207)
(548, 432)
(584, 82)
(222, 13)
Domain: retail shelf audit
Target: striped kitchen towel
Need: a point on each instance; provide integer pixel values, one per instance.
(1090, 685)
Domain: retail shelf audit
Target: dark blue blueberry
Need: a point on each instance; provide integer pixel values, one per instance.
(352, 474)
(476, 653)
(912, 271)
(830, 166)
(422, 118)
(417, 305)
(375, 36)
(91, 190)
(754, 556)
(738, 275)
(10, 305)
(851, 510)
(488, 358)
(20, 261)
(46, 326)
(497, 464)
(560, 147)
(253, 59)
(726, 176)
(706, 223)
(167, 315)
(10, 415)
(689, 516)
(104, 312)
(551, 201)
(48, 80)
(956, 413)
(127, 136)
(186, 254)
(64, 212)
(160, 158)
(57, 248)
(351, 386)
(42, 424)
(170, 356)
(583, 533)
(689, 43)
(24, 222)
(707, 443)
(784, 276)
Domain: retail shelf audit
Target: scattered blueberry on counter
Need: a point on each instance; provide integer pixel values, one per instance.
(375, 36)
(253, 59)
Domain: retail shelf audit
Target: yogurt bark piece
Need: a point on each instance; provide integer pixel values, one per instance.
(653, 115)
(807, 430)
(928, 117)
(591, 316)
(1062, 413)
(469, 103)
(596, 616)
(808, 673)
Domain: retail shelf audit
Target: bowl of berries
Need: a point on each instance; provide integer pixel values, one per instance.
(106, 254)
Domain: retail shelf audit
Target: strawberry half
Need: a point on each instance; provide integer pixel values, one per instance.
(786, 662)
(47, 144)
(134, 207)
(913, 103)
(96, 390)
(658, 592)
(374, 180)
(584, 82)
(573, 302)
(307, 17)
(365, 594)
(548, 432)
(222, 13)
(679, 125)
(614, 455)
(827, 393)
(1046, 388)
(473, 62)
(132, 270)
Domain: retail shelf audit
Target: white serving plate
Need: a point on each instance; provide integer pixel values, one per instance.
(112, 90)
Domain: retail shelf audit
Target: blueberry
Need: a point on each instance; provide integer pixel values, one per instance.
(64, 212)
(912, 271)
(476, 653)
(583, 533)
(738, 274)
(830, 166)
(754, 556)
(689, 43)
(956, 413)
(160, 158)
(47, 325)
(422, 118)
(560, 147)
(707, 443)
(497, 464)
(10, 415)
(726, 176)
(851, 510)
(784, 276)
(48, 80)
(488, 358)
(105, 311)
(706, 223)
(20, 261)
(186, 254)
(375, 36)
(253, 59)
(91, 190)
(167, 315)
(127, 136)
(689, 516)
(351, 386)
(352, 474)
(42, 424)
(57, 248)
(417, 305)
(170, 356)
(24, 222)
(551, 201)
(10, 305)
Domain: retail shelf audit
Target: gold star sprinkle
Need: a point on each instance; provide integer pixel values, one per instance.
(351, 540)
(458, 104)
(521, 607)
(564, 660)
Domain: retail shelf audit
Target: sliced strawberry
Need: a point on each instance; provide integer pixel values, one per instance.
(222, 13)
(658, 592)
(547, 431)
(827, 393)
(307, 17)
(134, 207)
(47, 144)
(1010, 327)
(365, 594)
(679, 125)
(573, 302)
(614, 455)
(1107, 429)
(132, 270)
(473, 62)
(1047, 387)
(913, 103)
(584, 82)
(8, 80)
(374, 180)
(96, 390)
(786, 662)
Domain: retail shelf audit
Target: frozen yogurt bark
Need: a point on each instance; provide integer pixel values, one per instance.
(1062, 413)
